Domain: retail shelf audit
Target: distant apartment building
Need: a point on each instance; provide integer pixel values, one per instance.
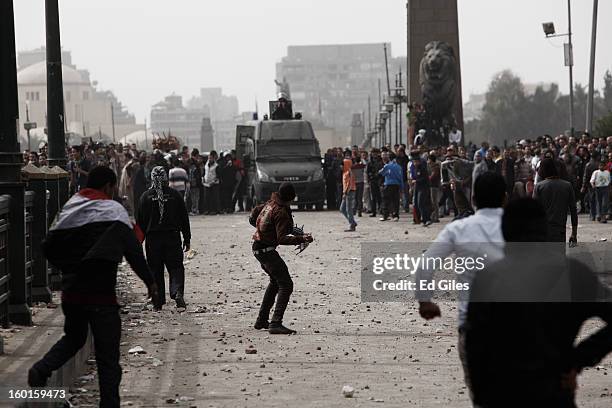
(221, 107)
(333, 82)
(31, 57)
(224, 115)
(207, 141)
(472, 109)
(171, 117)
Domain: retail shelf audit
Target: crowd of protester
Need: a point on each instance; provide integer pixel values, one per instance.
(209, 184)
(485, 188)
(438, 182)
(429, 184)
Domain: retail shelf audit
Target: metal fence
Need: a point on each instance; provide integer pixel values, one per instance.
(29, 224)
(4, 270)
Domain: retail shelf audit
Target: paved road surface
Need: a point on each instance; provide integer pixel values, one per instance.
(385, 351)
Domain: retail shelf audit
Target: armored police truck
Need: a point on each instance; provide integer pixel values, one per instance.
(281, 150)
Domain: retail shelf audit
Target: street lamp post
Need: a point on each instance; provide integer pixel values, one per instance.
(11, 161)
(29, 126)
(397, 98)
(55, 88)
(388, 91)
(113, 120)
(400, 91)
(570, 63)
(549, 31)
(589, 118)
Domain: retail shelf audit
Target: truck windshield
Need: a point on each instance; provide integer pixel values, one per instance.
(286, 130)
(288, 148)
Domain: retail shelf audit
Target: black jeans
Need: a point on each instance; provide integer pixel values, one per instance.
(358, 198)
(375, 196)
(165, 248)
(238, 197)
(279, 288)
(212, 199)
(422, 199)
(339, 192)
(227, 194)
(330, 190)
(105, 326)
(462, 202)
(391, 196)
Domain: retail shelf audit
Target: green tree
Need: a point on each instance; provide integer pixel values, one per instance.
(510, 114)
(607, 91)
(604, 126)
(505, 108)
(542, 115)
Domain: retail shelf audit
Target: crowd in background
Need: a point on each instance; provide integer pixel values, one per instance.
(439, 182)
(427, 183)
(210, 184)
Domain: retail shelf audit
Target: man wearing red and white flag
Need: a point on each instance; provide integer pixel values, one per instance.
(89, 239)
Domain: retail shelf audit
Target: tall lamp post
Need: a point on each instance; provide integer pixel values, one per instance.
(549, 31)
(397, 98)
(11, 161)
(589, 118)
(55, 88)
(29, 126)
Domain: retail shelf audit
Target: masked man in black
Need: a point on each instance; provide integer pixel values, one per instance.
(163, 217)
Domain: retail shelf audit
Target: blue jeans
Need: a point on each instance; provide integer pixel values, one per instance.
(592, 200)
(602, 201)
(346, 208)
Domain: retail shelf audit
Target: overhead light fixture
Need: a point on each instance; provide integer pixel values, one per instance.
(549, 28)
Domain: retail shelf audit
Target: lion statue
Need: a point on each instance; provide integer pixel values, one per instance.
(438, 80)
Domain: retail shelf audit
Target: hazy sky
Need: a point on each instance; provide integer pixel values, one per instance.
(144, 50)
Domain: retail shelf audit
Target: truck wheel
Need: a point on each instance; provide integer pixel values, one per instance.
(319, 206)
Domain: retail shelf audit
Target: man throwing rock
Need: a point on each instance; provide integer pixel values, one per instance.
(274, 225)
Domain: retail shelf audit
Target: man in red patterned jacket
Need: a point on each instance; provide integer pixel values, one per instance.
(274, 225)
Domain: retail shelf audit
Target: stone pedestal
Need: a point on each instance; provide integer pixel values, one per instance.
(35, 181)
(432, 20)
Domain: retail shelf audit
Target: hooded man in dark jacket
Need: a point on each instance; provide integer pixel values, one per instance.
(90, 237)
(163, 217)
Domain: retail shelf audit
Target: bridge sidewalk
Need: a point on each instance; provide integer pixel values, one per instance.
(23, 346)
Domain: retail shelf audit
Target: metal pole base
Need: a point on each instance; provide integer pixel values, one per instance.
(20, 314)
(55, 279)
(41, 294)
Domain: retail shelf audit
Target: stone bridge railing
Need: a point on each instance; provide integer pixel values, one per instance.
(25, 276)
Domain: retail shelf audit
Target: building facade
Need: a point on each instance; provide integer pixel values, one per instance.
(171, 117)
(224, 115)
(89, 112)
(333, 82)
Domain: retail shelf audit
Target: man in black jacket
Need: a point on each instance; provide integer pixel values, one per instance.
(91, 236)
(372, 171)
(557, 198)
(163, 217)
(524, 317)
